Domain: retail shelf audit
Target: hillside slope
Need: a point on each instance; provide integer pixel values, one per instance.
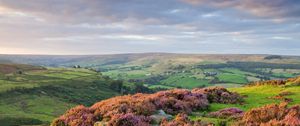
(213, 105)
(35, 95)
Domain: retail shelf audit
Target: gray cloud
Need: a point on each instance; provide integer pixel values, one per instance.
(117, 26)
(264, 8)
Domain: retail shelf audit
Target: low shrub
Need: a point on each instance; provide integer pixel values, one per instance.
(129, 119)
(134, 109)
(179, 100)
(272, 115)
(281, 96)
(77, 116)
(288, 82)
(285, 93)
(183, 120)
(268, 82)
(138, 104)
(227, 113)
(219, 95)
(17, 121)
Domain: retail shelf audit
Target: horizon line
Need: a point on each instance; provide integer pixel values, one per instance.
(132, 53)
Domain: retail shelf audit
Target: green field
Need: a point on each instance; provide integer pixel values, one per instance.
(191, 77)
(233, 78)
(257, 96)
(41, 95)
(184, 82)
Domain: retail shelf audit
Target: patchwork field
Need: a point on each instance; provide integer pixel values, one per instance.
(37, 93)
(228, 74)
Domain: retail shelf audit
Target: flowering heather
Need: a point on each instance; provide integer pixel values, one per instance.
(219, 95)
(227, 113)
(77, 116)
(129, 119)
(139, 104)
(272, 115)
(134, 109)
(183, 120)
(179, 100)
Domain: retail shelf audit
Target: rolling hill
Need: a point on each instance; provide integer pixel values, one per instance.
(35, 95)
(34, 89)
(167, 70)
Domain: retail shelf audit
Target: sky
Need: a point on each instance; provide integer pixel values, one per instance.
(134, 26)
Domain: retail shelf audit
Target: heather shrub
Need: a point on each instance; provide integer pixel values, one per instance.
(285, 93)
(219, 95)
(179, 100)
(134, 109)
(78, 116)
(183, 120)
(129, 119)
(281, 96)
(137, 104)
(272, 114)
(227, 113)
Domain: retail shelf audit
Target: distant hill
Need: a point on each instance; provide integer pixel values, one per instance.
(170, 70)
(139, 58)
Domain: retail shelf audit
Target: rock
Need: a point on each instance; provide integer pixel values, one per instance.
(157, 118)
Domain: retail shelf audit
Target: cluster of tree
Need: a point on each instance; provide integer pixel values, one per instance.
(118, 85)
(127, 68)
(177, 67)
(76, 66)
(18, 121)
(249, 65)
(273, 57)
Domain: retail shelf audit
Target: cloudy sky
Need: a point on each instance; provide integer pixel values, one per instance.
(132, 26)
